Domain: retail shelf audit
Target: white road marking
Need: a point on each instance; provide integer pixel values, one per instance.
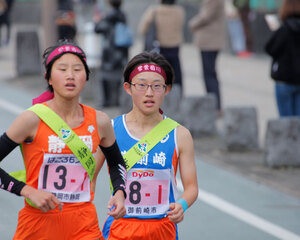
(243, 215)
(10, 107)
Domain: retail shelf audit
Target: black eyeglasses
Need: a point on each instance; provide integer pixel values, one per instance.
(142, 87)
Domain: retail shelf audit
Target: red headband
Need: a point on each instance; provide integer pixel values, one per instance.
(148, 67)
(64, 49)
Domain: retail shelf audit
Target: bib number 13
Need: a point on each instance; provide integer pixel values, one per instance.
(62, 171)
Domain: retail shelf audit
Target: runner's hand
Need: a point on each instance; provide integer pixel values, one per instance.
(176, 213)
(45, 201)
(116, 204)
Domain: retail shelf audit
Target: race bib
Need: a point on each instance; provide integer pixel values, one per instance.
(147, 192)
(65, 177)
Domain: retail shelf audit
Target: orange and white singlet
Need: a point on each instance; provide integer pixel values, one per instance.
(51, 166)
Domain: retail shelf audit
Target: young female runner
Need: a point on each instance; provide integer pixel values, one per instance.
(58, 187)
(153, 210)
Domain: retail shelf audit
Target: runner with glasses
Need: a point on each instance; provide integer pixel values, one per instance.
(152, 205)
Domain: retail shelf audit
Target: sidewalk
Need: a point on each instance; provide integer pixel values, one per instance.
(244, 82)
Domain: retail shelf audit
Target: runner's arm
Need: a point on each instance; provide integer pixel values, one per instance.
(8, 182)
(115, 204)
(116, 167)
(188, 174)
(100, 159)
(15, 134)
(24, 128)
(110, 149)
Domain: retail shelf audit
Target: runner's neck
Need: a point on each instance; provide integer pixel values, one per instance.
(71, 112)
(139, 124)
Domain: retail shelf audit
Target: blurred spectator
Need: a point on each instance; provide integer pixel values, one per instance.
(235, 29)
(243, 7)
(84, 12)
(65, 20)
(5, 10)
(208, 27)
(169, 19)
(284, 48)
(2, 6)
(114, 58)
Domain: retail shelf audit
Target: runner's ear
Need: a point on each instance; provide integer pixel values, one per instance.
(168, 89)
(127, 87)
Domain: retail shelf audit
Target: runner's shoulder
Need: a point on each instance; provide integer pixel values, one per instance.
(184, 136)
(102, 119)
(183, 131)
(29, 117)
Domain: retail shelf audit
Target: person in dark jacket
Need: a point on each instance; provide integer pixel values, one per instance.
(113, 58)
(65, 20)
(284, 48)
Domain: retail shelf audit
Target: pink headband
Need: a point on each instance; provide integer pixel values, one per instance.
(64, 49)
(148, 67)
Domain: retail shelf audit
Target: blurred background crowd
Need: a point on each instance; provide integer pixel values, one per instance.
(239, 27)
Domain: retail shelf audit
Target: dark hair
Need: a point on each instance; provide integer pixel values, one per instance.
(48, 66)
(149, 57)
(168, 1)
(289, 8)
(115, 3)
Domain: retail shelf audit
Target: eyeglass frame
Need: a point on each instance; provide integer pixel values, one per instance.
(164, 86)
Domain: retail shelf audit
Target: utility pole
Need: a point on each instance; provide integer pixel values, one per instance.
(49, 8)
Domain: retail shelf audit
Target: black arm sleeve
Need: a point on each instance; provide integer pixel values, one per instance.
(116, 167)
(6, 146)
(8, 182)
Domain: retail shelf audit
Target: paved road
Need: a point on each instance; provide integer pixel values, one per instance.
(228, 206)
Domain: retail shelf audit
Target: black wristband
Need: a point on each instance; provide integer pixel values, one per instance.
(116, 167)
(6, 146)
(10, 184)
